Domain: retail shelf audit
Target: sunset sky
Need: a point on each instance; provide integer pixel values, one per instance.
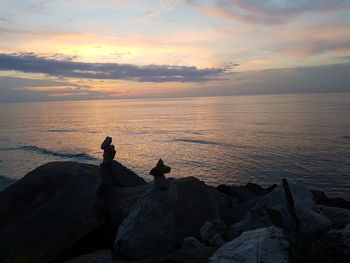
(82, 49)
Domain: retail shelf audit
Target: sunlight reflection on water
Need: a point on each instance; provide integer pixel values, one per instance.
(219, 140)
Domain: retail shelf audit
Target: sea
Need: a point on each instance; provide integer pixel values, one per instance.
(220, 140)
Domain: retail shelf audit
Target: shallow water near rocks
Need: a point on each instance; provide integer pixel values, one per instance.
(232, 140)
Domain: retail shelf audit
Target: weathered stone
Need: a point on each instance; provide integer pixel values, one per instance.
(50, 210)
(268, 245)
(191, 243)
(108, 150)
(213, 233)
(158, 173)
(338, 242)
(102, 256)
(273, 210)
(196, 204)
(149, 229)
(339, 217)
(245, 193)
(321, 198)
(114, 174)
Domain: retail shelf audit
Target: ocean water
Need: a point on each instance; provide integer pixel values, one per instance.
(232, 140)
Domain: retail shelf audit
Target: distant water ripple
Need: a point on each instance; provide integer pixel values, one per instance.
(72, 131)
(52, 153)
(200, 142)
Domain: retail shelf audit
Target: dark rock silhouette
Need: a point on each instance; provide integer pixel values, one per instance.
(50, 209)
(108, 150)
(322, 199)
(149, 229)
(158, 173)
(73, 211)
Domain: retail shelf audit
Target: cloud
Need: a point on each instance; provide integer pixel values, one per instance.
(32, 63)
(265, 12)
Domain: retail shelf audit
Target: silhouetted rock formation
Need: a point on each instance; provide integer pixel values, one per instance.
(107, 213)
(108, 150)
(158, 173)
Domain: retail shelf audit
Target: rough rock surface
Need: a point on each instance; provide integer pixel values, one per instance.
(149, 228)
(272, 210)
(115, 174)
(196, 204)
(339, 242)
(102, 256)
(50, 209)
(191, 243)
(213, 233)
(268, 245)
(339, 217)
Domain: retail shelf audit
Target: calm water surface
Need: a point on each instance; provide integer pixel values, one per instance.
(220, 139)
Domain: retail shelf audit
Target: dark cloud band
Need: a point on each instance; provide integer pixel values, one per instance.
(32, 63)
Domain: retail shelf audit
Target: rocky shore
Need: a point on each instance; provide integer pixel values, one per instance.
(81, 213)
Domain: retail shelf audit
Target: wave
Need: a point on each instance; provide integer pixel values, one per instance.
(5, 182)
(200, 142)
(52, 153)
(72, 131)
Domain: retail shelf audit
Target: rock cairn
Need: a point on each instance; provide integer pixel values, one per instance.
(108, 150)
(158, 172)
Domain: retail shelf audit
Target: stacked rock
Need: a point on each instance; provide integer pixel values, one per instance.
(158, 172)
(108, 150)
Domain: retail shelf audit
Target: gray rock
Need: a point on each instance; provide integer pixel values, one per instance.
(191, 243)
(213, 233)
(340, 217)
(272, 210)
(338, 242)
(102, 256)
(50, 209)
(196, 204)
(268, 245)
(149, 229)
(114, 174)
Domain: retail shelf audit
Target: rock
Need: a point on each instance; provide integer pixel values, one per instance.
(268, 245)
(339, 217)
(196, 204)
(115, 174)
(108, 150)
(321, 198)
(5, 182)
(158, 173)
(102, 256)
(338, 244)
(51, 210)
(213, 233)
(192, 193)
(149, 228)
(191, 243)
(245, 193)
(273, 210)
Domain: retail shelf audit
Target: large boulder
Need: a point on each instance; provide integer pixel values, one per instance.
(273, 210)
(268, 245)
(196, 204)
(213, 233)
(5, 182)
(101, 256)
(50, 209)
(192, 193)
(149, 228)
(62, 209)
(340, 217)
(115, 174)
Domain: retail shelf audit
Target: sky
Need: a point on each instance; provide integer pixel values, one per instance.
(72, 50)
